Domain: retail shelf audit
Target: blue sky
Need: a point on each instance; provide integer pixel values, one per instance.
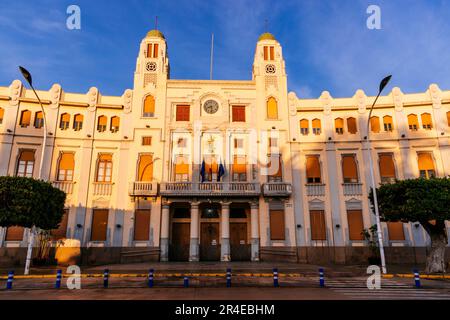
(326, 44)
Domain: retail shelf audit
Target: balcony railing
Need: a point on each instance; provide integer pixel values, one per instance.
(210, 188)
(352, 189)
(102, 188)
(141, 188)
(315, 189)
(66, 186)
(277, 189)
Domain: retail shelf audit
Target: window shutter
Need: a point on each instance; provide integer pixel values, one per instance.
(2, 112)
(149, 106)
(146, 141)
(351, 125)
(141, 225)
(277, 225)
(27, 155)
(238, 114)
(426, 120)
(266, 53)
(14, 234)
(375, 124)
(387, 168)
(115, 123)
(317, 219)
(272, 53)
(67, 161)
(355, 224)
(272, 108)
(239, 164)
(145, 172)
(149, 50)
(25, 118)
(350, 171)
(426, 161)
(182, 165)
(182, 113)
(155, 50)
(312, 167)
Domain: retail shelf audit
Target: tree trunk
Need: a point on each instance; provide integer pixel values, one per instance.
(436, 256)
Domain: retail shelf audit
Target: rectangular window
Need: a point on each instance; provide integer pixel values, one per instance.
(155, 50)
(238, 113)
(355, 224)
(272, 53)
(266, 53)
(313, 169)
(104, 169)
(64, 122)
(239, 168)
(149, 50)
(349, 169)
(14, 234)
(387, 168)
(181, 168)
(146, 141)
(60, 232)
(99, 224)
(426, 165)
(38, 120)
(277, 225)
(182, 113)
(26, 164)
(142, 225)
(395, 231)
(25, 118)
(317, 219)
(238, 143)
(66, 166)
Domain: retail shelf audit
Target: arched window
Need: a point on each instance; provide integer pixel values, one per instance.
(351, 125)
(239, 168)
(66, 166)
(181, 168)
(304, 126)
(272, 108)
(38, 120)
(101, 123)
(339, 125)
(149, 106)
(104, 168)
(65, 121)
(78, 122)
(448, 118)
(349, 169)
(426, 165)
(375, 124)
(2, 112)
(25, 165)
(413, 122)
(316, 126)
(427, 124)
(145, 172)
(387, 123)
(25, 118)
(387, 168)
(313, 169)
(115, 124)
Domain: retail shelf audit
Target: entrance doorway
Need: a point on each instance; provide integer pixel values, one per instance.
(210, 232)
(240, 247)
(180, 233)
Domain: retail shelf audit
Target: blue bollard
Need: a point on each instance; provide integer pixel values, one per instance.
(105, 278)
(186, 282)
(275, 277)
(416, 278)
(321, 278)
(228, 278)
(9, 282)
(58, 279)
(150, 278)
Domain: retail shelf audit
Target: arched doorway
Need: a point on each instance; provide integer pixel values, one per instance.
(240, 246)
(209, 231)
(180, 232)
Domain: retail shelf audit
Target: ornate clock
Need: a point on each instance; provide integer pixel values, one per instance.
(211, 106)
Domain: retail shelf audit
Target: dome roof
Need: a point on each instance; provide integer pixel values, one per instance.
(155, 33)
(266, 36)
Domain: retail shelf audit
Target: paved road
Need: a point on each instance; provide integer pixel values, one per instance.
(291, 289)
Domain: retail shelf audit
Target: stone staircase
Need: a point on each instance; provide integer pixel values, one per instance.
(136, 255)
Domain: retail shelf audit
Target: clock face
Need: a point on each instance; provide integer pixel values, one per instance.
(151, 66)
(211, 106)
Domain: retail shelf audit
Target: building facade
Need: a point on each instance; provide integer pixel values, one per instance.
(209, 170)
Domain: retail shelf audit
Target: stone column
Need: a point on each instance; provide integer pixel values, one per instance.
(194, 242)
(254, 213)
(164, 244)
(225, 225)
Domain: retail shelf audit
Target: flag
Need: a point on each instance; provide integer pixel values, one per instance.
(202, 171)
(221, 172)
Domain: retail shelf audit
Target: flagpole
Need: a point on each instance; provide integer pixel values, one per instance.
(211, 61)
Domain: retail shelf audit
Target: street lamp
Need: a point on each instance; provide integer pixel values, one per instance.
(27, 75)
(383, 84)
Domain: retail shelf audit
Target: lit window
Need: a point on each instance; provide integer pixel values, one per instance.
(101, 123)
(66, 166)
(64, 122)
(413, 122)
(115, 124)
(25, 165)
(104, 168)
(304, 126)
(78, 122)
(339, 125)
(38, 120)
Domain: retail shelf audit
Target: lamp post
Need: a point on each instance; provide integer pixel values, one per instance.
(383, 84)
(27, 75)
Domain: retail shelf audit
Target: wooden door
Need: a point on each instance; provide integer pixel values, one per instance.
(209, 241)
(179, 246)
(239, 247)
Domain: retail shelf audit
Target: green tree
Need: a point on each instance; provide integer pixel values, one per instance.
(28, 202)
(426, 201)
